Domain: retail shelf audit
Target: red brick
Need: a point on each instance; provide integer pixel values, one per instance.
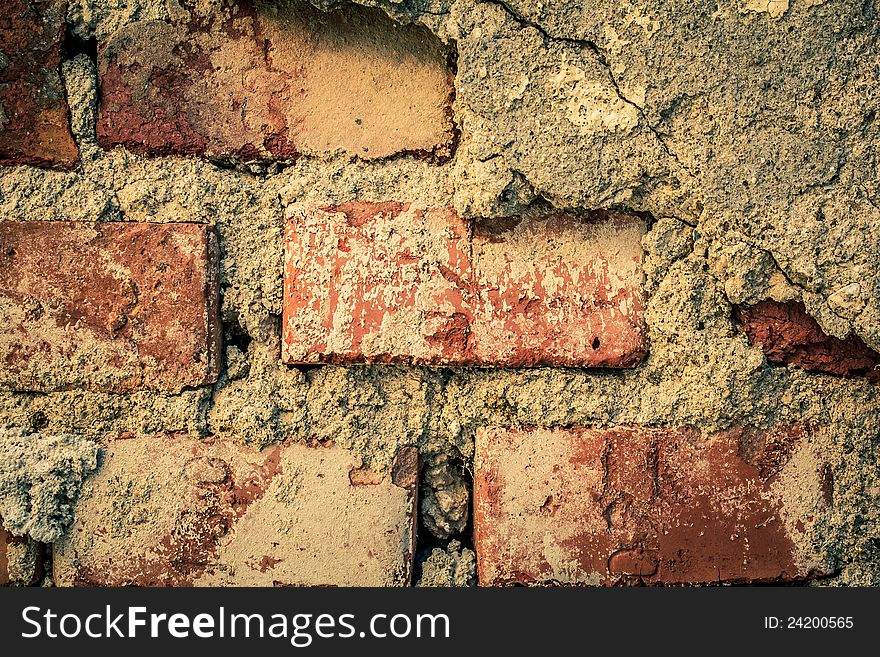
(107, 306)
(788, 335)
(390, 282)
(175, 511)
(34, 117)
(257, 81)
(19, 560)
(656, 506)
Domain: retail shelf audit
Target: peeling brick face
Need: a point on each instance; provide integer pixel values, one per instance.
(639, 505)
(34, 117)
(788, 335)
(108, 306)
(256, 81)
(221, 514)
(390, 282)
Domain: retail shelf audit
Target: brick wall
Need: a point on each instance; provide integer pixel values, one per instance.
(273, 312)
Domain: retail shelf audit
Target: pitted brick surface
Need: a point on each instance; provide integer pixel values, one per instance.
(34, 117)
(391, 282)
(20, 560)
(788, 335)
(256, 81)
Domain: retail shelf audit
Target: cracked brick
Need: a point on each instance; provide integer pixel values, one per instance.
(788, 335)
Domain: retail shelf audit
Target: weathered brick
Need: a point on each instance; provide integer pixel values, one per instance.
(34, 117)
(257, 81)
(175, 511)
(390, 282)
(788, 335)
(559, 290)
(107, 306)
(376, 282)
(19, 560)
(657, 506)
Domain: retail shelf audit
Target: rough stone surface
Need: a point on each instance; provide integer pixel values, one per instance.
(759, 125)
(453, 567)
(392, 282)
(107, 306)
(445, 496)
(19, 560)
(41, 476)
(34, 117)
(658, 506)
(218, 514)
(256, 80)
(788, 335)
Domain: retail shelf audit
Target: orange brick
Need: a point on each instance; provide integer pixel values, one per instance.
(788, 335)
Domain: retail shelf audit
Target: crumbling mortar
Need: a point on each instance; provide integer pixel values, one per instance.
(603, 60)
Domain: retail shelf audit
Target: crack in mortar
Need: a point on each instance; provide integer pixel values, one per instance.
(603, 60)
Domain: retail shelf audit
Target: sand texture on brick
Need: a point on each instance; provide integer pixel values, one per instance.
(655, 506)
(394, 282)
(107, 306)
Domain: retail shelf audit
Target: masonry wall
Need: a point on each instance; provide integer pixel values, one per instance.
(406, 292)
